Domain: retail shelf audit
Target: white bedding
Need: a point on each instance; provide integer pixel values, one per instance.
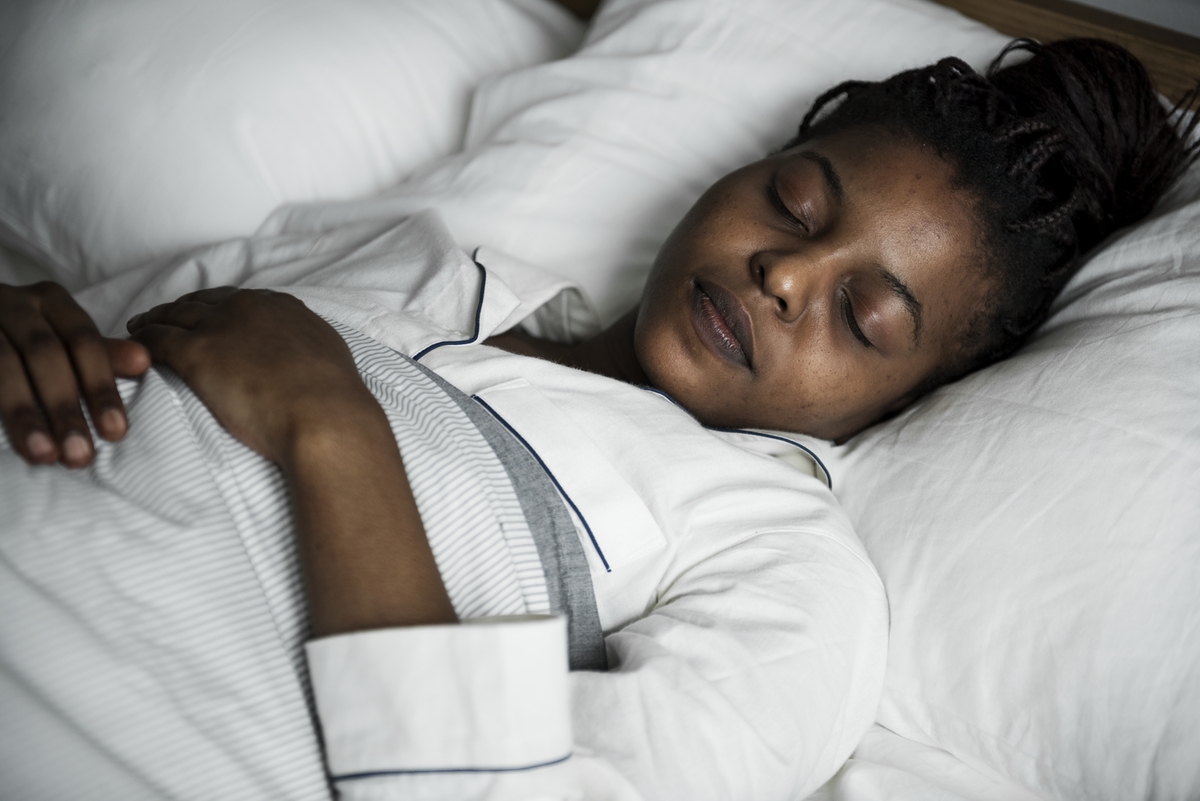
(133, 593)
(582, 165)
(135, 128)
(888, 767)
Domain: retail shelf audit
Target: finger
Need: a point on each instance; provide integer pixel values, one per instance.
(89, 357)
(180, 313)
(19, 410)
(52, 379)
(129, 359)
(165, 343)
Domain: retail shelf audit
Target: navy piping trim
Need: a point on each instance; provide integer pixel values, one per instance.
(478, 315)
(372, 774)
(660, 393)
(815, 458)
(545, 467)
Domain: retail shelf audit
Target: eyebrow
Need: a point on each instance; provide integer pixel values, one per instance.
(831, 177)
(911, 304)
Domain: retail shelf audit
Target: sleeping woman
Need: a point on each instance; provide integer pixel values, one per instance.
(299, 506)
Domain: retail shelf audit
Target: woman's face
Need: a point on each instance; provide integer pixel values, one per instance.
(813, 291)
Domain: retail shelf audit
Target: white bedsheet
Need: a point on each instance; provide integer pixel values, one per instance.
(146, 648)
(888, 767)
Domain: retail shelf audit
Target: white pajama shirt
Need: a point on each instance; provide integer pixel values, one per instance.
(743, 626)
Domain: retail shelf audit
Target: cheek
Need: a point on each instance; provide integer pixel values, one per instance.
(659, 347)
(823, 393)
(805, 397)
(720, 224)
(680, 367)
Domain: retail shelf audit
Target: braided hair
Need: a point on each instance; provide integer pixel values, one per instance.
(1058, 150)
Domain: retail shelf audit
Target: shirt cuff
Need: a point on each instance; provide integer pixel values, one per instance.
(484, 695)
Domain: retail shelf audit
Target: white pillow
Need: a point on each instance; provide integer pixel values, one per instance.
(132, 129)
(583, 166)
(1037, 526)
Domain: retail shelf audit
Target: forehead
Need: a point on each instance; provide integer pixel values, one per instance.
(905, 214)
(898, 185)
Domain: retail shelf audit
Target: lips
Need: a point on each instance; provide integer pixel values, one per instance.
(722, 323)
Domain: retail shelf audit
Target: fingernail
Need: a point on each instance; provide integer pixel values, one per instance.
(40, 446)
(112, 422)
(75, 448)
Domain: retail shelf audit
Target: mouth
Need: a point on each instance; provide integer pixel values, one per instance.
(722, 323)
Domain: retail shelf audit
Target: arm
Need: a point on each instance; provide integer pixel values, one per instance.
(284, 383)
(367, 563)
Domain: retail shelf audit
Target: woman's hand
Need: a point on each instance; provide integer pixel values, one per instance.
(282, 381)
(266, 366)
(51, 355)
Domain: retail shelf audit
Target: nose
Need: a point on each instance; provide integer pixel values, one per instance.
(790, 280)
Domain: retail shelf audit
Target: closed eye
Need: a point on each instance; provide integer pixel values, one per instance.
(781, 207)
(852, 321)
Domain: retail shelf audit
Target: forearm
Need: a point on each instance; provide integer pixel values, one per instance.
(366, 560)
(284, 383)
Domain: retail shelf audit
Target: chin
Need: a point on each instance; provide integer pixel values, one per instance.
(680, 385)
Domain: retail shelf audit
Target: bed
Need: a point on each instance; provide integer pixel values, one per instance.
(1037, 525)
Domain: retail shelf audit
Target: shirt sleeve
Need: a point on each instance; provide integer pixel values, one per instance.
(478, 710)
(753, 677)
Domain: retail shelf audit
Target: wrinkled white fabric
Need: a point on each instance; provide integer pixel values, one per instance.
(135, 128)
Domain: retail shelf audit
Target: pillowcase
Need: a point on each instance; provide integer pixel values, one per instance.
(133, 129)
(1037, 526)
(583, 166)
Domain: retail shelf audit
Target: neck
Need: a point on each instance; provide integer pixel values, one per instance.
(611, 353)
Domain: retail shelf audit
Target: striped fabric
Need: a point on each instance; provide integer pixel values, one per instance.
(473, 519)
(151, 607)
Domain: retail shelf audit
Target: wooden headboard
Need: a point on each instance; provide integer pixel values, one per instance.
(1172, 58)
